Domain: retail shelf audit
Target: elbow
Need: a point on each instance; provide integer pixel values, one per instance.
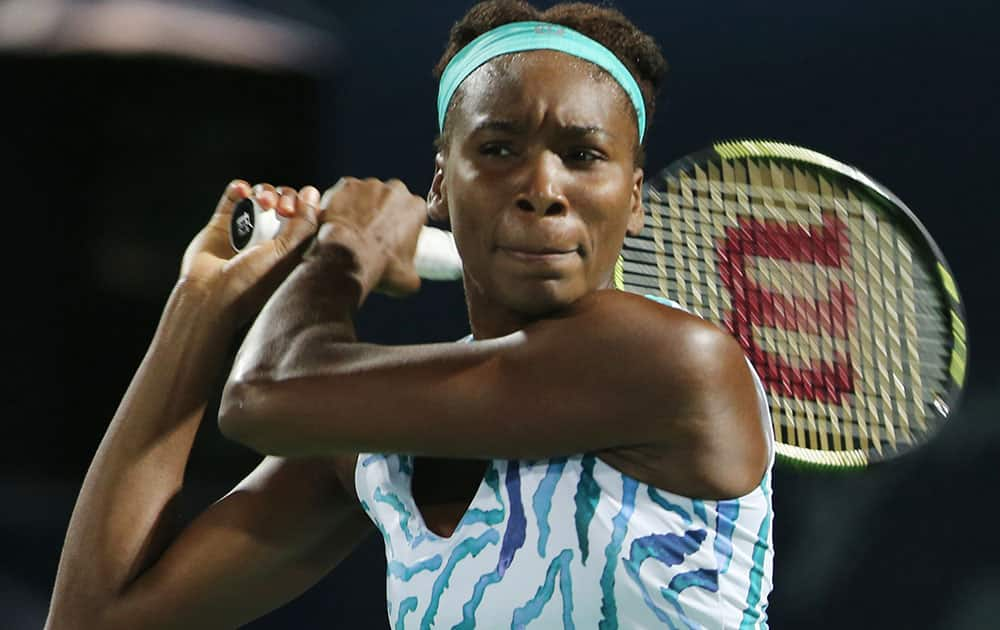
(240, 415)
(251, 414)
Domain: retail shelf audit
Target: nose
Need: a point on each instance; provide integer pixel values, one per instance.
(542, 190)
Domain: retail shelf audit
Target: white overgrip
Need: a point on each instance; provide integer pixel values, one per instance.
(436, 257)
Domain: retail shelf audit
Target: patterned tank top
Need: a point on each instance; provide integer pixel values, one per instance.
(571, 542)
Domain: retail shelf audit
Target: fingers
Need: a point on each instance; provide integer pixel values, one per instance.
(300, 209)
(287, 201)
(267, 196)
(236, 191)
(282, 199)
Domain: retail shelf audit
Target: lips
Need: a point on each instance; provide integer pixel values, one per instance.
(541, 258)
(529, 250)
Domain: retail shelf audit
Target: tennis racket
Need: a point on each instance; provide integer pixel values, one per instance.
(840, 298)
(842, 301)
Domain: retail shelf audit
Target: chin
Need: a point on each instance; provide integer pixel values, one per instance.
(536, 298)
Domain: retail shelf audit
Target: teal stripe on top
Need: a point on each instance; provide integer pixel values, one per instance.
(751, 617)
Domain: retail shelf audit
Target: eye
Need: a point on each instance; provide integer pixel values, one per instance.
(583, 155)
(496, 149)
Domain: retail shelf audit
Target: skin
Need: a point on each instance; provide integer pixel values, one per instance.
(540, 200)
(126, 561)
(539, 185)
(539, 210)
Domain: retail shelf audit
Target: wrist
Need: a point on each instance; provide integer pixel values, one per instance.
(194, 303)
(341, 246)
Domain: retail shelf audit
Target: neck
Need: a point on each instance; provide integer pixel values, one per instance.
(490, 318)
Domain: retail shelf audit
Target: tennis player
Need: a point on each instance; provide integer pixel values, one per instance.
(587, 458)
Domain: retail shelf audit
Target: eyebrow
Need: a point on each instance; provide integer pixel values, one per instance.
(506, 126)
(512, 127)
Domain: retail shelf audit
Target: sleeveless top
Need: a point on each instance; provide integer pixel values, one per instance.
(571, 542)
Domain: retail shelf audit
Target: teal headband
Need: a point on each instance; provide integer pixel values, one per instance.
(521, 36)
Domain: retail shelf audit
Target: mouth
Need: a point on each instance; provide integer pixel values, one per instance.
(539, 254)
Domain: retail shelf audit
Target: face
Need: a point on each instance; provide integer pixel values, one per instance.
(538, 181)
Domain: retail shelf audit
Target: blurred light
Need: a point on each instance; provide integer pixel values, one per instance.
(218, 34)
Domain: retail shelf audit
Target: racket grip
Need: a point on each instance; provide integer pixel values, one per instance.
(436, 257)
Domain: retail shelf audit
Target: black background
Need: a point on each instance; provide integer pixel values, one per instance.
(110, 164)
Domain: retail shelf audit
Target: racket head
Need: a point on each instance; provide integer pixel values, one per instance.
(844, 304)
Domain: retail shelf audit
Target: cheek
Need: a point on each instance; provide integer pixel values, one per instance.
(610, 220)
(468, 224)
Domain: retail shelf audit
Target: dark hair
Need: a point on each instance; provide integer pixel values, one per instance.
(637, 50)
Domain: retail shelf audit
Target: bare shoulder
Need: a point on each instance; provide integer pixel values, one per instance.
(663, 341)
(708, 438)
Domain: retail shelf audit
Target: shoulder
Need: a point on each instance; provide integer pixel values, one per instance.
(662, 337)
(707, 435)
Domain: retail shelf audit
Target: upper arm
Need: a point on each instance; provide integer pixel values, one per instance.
(616, 370)
(274, 535)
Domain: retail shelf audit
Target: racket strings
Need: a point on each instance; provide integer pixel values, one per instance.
(820, 287)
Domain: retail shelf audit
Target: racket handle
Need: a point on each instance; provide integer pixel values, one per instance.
(436, 257)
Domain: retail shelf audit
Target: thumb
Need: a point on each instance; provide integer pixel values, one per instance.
(300, 221)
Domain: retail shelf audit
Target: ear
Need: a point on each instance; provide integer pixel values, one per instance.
(637, 214)
(437, 199)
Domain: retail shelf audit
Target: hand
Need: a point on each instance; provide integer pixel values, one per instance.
(240, 283)
(379, 223)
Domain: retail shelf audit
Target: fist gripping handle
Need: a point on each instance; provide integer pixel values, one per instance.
(436, 257)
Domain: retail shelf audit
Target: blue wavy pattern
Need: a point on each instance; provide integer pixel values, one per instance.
(469, 546)
(513, 536)
(406, 606)
(470, 607)
(396, 503)
(751, 616)
(513, 540)
(705, 578)
(587, 494)
(726, 514)
(405, 464)
(541, 502)
(399, 570)
(670, 549)
(699, 510)
(533, 608)
(609, 607)
(492, 516)
(661, 501)
(423, 537)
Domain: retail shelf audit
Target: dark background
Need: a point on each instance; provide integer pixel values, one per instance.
(111, 163)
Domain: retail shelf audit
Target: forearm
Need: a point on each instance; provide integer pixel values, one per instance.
(124, 507)
(314, 307)
(303, 330)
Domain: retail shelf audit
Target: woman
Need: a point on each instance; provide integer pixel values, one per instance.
(584, 441)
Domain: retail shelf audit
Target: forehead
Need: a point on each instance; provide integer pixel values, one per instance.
(539, 85)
